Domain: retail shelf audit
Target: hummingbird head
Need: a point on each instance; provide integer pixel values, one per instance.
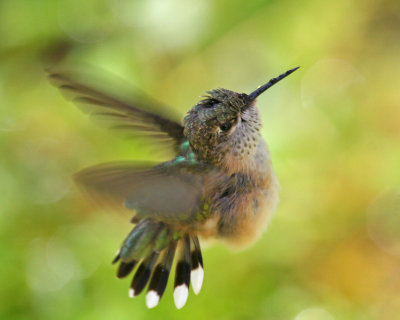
(225, 126)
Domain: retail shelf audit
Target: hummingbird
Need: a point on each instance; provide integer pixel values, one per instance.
(219, 184)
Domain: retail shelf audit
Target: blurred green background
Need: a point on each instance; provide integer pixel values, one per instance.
(333, 249)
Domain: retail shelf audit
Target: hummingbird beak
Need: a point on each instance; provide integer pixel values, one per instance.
(252, 96)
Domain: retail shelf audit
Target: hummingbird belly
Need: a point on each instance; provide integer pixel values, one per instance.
(240, 215)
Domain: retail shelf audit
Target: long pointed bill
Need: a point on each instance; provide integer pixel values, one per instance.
(252, 96)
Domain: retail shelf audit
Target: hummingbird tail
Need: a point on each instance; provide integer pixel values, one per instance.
(182, 273)
(142, 274)
(197, 269)
(159, 279)
(152, 246)
(189, 267)
(125, 268)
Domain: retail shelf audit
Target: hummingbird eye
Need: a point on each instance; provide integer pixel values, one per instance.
(210, 103)
(226, 126)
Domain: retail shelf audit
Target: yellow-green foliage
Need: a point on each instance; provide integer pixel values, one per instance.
(332, 250)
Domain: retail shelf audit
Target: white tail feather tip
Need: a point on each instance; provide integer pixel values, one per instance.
(180, 295)
(131, 293)
(152, 299)
(197, 276)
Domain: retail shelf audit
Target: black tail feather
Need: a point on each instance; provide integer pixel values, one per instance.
(142, 275)
(116, 259)
(125, 269)
(160, 276)
(196, 243)
(153, 246)
(197, 270)
(182, 274)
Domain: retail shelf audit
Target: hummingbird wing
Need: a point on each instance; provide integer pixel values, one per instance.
(138, 115)
(167, 192)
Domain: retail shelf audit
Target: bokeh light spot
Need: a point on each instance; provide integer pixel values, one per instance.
(51, 265)
(172, 24)
(314, 314)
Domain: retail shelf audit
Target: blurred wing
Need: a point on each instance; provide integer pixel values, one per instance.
(165, 192)
(139, 116)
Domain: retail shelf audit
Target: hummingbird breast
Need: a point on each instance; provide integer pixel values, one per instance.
(242, 202)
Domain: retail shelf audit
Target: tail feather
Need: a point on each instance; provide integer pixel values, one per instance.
(160, 276)
(125, 269)
(198, 250)
(197, 271)
(142, 275)
(116, 259)
(182, 274)
(154, 245)
(139, 242)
